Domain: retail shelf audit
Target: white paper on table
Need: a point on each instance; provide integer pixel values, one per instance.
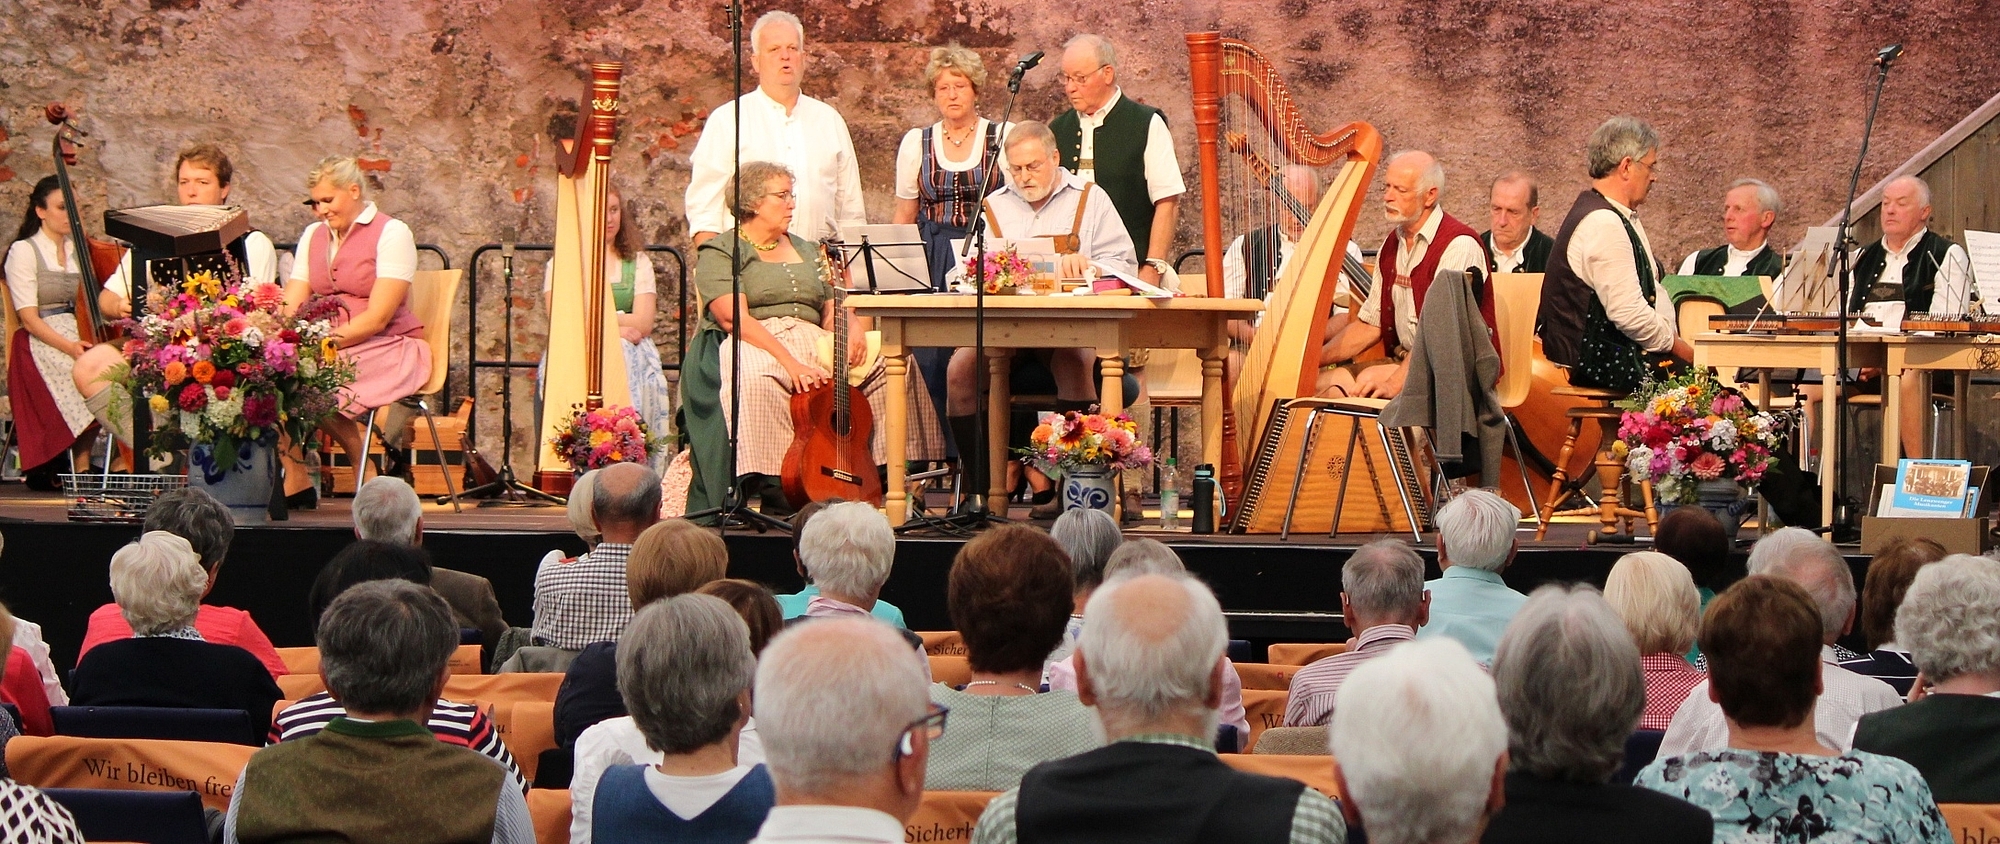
(1984, 249)
(1889, 314)
(1142, 288)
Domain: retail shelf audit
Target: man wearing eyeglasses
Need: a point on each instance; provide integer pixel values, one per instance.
(1123, 147)
(783, 125)
(844, 712)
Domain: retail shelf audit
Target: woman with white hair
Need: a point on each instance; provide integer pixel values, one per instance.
(366, 259)
(1570, 689)
(848, 549)
(1089, 536)
(158, 582)
(1471, 602)
(1655, 596)
(1950, 622)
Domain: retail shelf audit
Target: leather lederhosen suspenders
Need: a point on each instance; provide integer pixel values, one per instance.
(1066, 244)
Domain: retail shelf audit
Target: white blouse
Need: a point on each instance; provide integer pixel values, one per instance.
(395, 251)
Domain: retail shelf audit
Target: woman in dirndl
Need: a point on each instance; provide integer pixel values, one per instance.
(43, 271)
(789, 306)
(366, 259)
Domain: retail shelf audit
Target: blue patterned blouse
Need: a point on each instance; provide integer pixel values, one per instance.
(1789, 797)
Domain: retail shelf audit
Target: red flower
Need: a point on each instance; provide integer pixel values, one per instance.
(193, 399)
(1708, 466)
(221, 393)
(223, 378)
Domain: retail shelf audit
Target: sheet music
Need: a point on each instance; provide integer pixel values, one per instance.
(1984, 248)
(1807, 285)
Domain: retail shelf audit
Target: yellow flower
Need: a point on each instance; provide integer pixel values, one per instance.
(598, 438)
(159, 404)
(327, 351)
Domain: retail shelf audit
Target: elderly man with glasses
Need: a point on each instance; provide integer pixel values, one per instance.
(1122, 146)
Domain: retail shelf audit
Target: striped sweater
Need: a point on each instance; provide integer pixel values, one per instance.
(459, 724)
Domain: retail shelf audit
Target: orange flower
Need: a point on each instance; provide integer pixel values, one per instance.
(176, 372)
(203, 371)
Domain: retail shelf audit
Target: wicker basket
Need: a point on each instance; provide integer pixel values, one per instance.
(98, 497)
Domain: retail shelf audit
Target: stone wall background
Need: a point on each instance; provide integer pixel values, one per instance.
(457, 99)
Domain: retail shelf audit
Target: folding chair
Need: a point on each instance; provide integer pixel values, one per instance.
(230, 726)
(151, 817)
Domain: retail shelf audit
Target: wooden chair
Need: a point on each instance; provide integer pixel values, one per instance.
(1303, 653)
(1264, 709)
(549, 809)
(951, 670)
(947, 815)
(1972, 821)
(432, 294)
(1610, 470)
(70, 762)
(1265, 676)
(1517, 299)
(1315, 771)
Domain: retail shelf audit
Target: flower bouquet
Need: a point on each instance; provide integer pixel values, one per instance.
(1006, 271)
(1071, 440)
(222, 366)
(1683, 431)
(594, 439)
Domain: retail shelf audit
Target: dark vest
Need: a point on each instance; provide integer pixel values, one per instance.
(624, 811)
(1449, 229)
(385, 782)
(1154, 793)
(1919, 274)
(1950, 740)
(1765, 263)
(1568, 302)
(1534, 256)
(1262, 251)
(1118, 159)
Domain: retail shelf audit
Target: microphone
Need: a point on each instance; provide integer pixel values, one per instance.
(1021, 69)
(1886, 55)
(507, 237)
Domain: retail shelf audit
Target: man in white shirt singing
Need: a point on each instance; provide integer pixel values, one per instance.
(783, 125)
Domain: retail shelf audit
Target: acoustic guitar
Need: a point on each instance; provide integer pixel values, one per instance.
(832, 424)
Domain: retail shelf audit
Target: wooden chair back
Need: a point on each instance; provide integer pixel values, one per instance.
(1517, 299)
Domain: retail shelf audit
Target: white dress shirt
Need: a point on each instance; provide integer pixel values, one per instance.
(910, 155)
(1510, 262)
(1101, 235)
(1601, 254)
(1950, 293)
(828, 825)
(21, 266)
(1462, 252)
(1163, 169)
(811, 139)
(1738, 260)
(1700, 725)
(395, 251)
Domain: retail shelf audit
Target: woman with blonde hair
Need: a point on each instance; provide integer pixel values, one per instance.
(1656, 598)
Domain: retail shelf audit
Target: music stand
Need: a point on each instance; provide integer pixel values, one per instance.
(891, 256)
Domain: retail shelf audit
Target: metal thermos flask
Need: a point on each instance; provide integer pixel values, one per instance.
(1204, 498)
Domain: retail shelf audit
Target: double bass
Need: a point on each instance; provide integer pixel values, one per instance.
(103, 255)
(832, 425)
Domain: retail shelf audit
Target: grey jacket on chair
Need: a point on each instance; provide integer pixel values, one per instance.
(1449, 389)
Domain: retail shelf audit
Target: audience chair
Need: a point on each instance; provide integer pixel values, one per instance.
(296, 686)
(155, 722)
(1226, 739)
(502, 688)
(528, 727)
(148, 817)
(1293, 741)
(69, 762)
(549, 809)
(300, 660)
(951, 670)
(555, 768)
(1259, 675)
(942, 642)
(1971, 821)
(1315, 771)
(1641, 747)
(947, 815)
(1264, 709)
(1302, 653)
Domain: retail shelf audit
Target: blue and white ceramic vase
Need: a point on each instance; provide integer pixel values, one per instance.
(245, 487)
(1089, 487)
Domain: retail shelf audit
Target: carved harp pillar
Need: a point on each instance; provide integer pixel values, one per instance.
(585, 367)
(1259, 164)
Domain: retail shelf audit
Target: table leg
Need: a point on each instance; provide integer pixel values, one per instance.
(998, 402)
(1829, 452)
(895, 436)
(1212, 398)
(1892, 411)
(1961, 389)
(1764, 403)
(1111, 393)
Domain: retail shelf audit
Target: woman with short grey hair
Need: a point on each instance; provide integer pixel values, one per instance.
(158, 583)
(1089, 536)
(685, 670)
(1950, 731)
(1570, 689)
(848, 549)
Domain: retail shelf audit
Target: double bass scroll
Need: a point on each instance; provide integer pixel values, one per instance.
(102, 256)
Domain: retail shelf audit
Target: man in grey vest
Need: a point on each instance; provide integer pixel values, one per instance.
(1749, 209)
(1122, 146)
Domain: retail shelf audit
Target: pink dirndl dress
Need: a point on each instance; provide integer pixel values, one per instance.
(394, 363)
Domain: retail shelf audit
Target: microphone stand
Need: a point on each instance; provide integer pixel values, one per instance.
(1843, 528)
(733, 507)
(505, 483)
(975, 511)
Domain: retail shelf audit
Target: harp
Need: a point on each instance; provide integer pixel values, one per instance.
(1248, 131)
(585, 368)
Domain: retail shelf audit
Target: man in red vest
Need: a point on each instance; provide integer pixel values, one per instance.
(1425, 239)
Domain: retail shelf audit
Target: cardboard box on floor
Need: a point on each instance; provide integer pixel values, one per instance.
(1958, 536)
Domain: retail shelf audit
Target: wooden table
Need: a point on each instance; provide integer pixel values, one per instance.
(1113, 325)
(1811, 351)
(1960, 355)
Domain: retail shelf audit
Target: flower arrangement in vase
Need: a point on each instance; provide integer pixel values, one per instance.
(594, 439)
(1006, 271)
(1687, 430)
(1072, 440)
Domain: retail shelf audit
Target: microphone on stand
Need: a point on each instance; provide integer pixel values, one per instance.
(1021, 69)
(1885, 56)
(507, 237)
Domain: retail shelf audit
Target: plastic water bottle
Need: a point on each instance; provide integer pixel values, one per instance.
(1170, 497)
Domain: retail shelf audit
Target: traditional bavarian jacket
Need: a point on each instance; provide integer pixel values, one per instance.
(1130, 155)
(1729, 260)
(1531, 257)
(1929, 275)
(1601, 309)
(1441, 243)
(1076, 210)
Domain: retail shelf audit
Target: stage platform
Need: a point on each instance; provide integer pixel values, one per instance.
(54, 571)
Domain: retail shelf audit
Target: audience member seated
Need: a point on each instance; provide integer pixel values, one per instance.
(1570, 690)
(671, 558)
(1693, 536)
(1950, 621)
(8, 728)
(1089, 536)
(387, 509)
(847, 550)
(377, 774)
(364, 560)
(1009, 597)
(1775, 545)
(1777, 778)
(794, 605)
(194, 515)
(685, 672)
(1655, 596)
(158, 582)
(1475, 544)
(32, 817)
(1151, 663)
(1147, 556)
(1419, 749)
(1889, 576)
(618, 741)
(847, 731)
(1817, 567)
(583, 600)
(1382, 598)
